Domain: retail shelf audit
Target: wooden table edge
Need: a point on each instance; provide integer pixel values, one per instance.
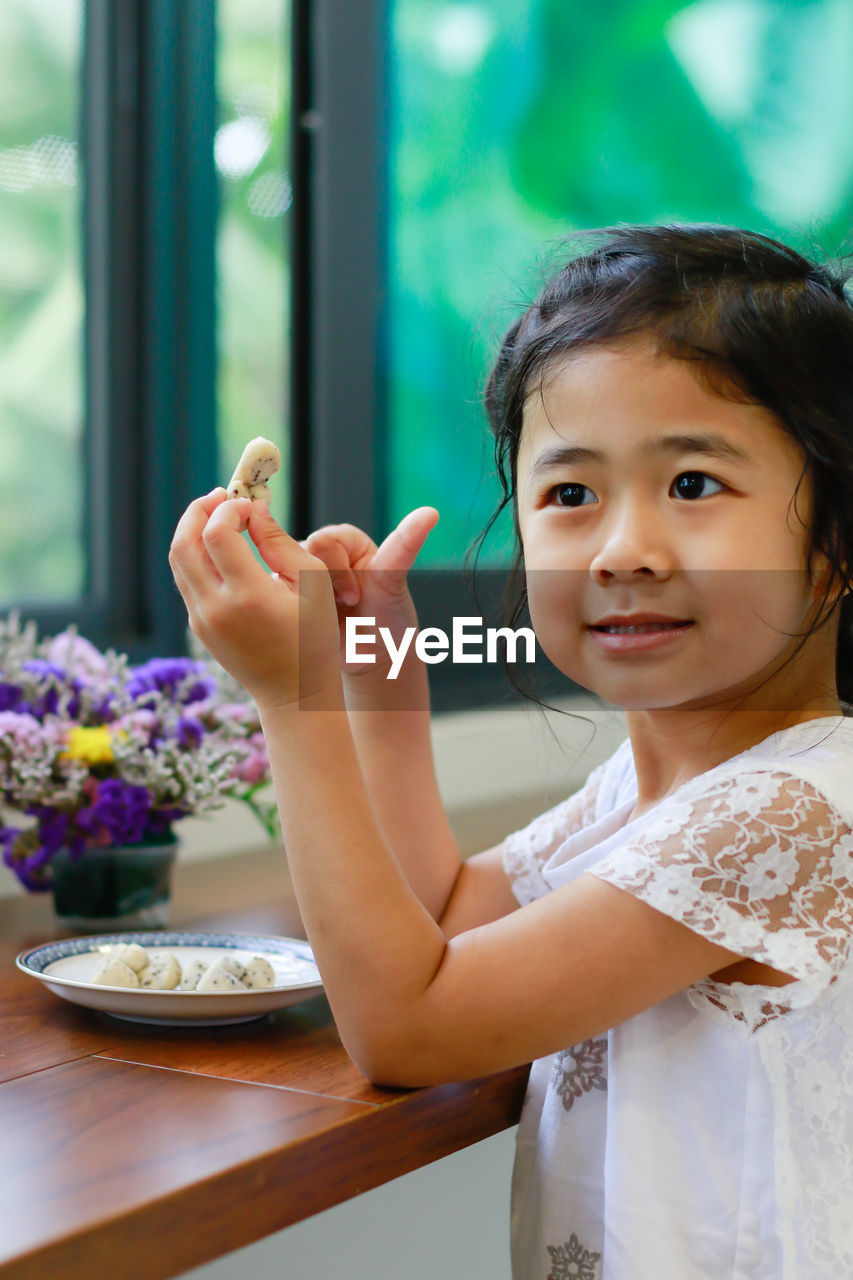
(244, 1203)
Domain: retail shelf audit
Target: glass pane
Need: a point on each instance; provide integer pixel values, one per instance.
(41, 303)
(515, 121)
(253, 91)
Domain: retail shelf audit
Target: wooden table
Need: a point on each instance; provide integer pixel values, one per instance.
(144, 1151)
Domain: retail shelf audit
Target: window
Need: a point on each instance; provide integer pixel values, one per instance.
(41, 303)
(143, 168)
(312, 220)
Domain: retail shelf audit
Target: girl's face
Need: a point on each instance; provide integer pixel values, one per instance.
(620, 513)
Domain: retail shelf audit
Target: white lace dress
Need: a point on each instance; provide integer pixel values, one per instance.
(712, 1135)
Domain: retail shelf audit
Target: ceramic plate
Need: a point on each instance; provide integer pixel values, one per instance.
(66, 968)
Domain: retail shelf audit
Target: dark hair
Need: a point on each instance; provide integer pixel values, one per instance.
(759, 322)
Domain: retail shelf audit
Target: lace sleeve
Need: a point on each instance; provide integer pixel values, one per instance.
(759, 863)
(525, 852)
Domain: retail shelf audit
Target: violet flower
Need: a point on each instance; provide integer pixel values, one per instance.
(11, 697)
(8, 836)
(56, 681)
(121, 808)
(190, 732)
(164, 675)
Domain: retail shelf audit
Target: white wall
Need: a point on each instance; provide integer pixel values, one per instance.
(496, 770)
(447, 1221)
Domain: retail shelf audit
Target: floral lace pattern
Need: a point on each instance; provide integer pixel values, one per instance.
(759, 863)
(811, 1079)
(525, 852)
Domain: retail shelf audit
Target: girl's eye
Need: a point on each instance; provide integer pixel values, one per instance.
(688, 484)
(569, 495)
(694, 481)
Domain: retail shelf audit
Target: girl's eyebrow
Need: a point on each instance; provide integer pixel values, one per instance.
(712, 445)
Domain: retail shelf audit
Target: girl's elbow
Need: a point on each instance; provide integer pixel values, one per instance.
(395, 1062)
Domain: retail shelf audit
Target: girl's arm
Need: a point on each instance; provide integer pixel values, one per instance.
(391, 731)
(390, 723)
(411, 1007)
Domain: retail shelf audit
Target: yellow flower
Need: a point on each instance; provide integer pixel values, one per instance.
(92, 746)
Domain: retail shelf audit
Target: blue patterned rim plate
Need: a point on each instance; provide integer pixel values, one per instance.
(66, 968)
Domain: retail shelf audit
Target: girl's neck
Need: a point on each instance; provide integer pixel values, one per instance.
(670, 747)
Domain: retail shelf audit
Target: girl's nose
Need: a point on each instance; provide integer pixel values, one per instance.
(633, 543)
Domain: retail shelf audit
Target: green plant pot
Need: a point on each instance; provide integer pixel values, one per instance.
(116, 887)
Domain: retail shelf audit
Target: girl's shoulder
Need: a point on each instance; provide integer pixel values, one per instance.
(820, 752)
(754, 854)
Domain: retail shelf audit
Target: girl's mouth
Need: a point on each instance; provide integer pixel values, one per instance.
(648, 635)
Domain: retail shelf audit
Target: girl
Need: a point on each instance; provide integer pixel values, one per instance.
(671, 944)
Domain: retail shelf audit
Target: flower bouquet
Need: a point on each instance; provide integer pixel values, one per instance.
(95, 752)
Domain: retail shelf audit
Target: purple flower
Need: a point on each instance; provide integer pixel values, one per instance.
(56, 680)
(52, 833)
(39, 667)
(11, 697)
(163, 675)
(190, 732)
(31, 878)
(160, 820)
(8, 836)
(120, 807)
(47, 703)
(28, 862)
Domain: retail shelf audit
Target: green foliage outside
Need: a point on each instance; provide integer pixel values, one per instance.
(41, 303)
(518, 121)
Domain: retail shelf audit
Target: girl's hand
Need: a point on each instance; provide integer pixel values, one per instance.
(370, 581)
(277, 635)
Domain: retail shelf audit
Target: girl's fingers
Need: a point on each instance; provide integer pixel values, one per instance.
(281, 553)
(340, 547)
(229, 553)
(400, 549)
(192, 567)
